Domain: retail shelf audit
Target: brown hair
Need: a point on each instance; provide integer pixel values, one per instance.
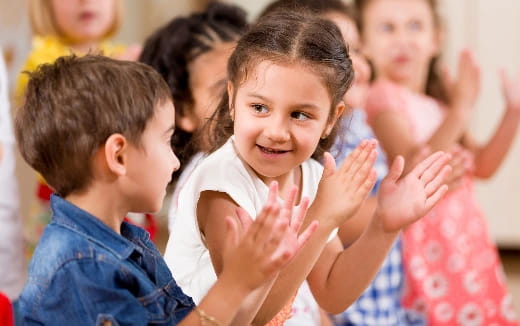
(318, 7)
(434, 84)
(173, 47)
(73, 105)
(288, 38)
(43, 23)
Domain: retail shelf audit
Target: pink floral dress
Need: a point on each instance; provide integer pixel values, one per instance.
(452, 268)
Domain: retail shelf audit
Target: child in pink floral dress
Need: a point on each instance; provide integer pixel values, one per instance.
(452, 268)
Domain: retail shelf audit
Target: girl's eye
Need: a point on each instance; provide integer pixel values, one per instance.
(299, 115)
(259, 108)
(386, 27)
(415, 26)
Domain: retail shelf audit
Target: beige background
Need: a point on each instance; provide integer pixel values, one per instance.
(490, 28)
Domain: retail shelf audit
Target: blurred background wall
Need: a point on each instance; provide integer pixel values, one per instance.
(489, 28)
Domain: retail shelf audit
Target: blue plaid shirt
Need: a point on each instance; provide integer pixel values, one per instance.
(380, 304)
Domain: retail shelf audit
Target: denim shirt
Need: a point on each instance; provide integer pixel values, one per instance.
(84, 273)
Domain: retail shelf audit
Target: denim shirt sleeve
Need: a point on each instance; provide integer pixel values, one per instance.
(88, 292)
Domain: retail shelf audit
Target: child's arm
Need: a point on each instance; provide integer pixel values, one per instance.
(340, 276)
(352, 182)
(270, 242)
(392, 128)
(489, 157)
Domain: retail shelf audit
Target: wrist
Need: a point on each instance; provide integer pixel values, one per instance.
(236, 291)
(326, 224)
(382, 224)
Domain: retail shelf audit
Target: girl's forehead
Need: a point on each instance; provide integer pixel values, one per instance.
(290, 82)
(398, 9)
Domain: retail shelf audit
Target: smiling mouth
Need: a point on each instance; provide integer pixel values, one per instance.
(271, 151)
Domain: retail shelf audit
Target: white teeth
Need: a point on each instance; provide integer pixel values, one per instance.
(271, 151)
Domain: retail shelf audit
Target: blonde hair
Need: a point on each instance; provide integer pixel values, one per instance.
(43, 22)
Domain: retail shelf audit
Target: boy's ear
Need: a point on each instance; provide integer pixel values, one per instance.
(339, 111)
(230, 100)
(116, 154)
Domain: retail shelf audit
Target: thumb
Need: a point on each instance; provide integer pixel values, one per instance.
(329, 165)
(396, 170)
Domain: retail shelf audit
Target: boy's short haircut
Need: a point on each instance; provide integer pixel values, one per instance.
(73, 105)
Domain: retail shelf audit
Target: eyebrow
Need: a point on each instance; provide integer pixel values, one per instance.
(298, 106)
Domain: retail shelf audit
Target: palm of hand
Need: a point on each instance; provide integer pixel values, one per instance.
(402, 201)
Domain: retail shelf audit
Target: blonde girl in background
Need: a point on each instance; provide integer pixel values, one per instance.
(453, 272)
(62, 27)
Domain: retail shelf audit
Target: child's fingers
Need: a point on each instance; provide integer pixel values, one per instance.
(396, 170)
(433, 170)
(288, 204)
(359, 160)
(299, 216)
(265, 230)
(329, 165)
(353, 156)
(438, 181)
(359, 178)
(244, 218)
(433, 199)
(261, 219)
(422, 166)
(306, 234)
(272, 196)
(275, 246)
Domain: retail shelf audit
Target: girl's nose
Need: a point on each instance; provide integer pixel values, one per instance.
(277, 129)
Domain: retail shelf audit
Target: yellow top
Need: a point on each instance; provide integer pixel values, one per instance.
(46, 50)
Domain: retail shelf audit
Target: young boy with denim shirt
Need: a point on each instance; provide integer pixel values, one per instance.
(98, 130)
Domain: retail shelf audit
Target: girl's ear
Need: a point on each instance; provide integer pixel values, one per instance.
(116, 154)
(230, 100)
(332, 121)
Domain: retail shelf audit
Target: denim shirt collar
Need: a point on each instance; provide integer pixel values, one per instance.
(75, 218)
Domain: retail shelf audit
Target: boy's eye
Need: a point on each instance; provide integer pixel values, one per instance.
(259, 108)
(299, 115)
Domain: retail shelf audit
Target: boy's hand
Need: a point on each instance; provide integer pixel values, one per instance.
(256, 251)
(341, 192)
(403, 201)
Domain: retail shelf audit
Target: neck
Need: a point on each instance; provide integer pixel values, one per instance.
(102, 204)
(85, 47)
(286, 182)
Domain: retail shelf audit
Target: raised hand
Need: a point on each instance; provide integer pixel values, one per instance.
(511, 90)
(402, 201)
(462, 163)
(258, 250)
(465, 87)
(341, 192)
